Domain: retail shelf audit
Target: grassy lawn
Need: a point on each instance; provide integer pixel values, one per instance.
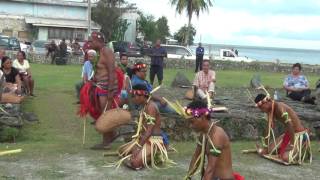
(52, 148)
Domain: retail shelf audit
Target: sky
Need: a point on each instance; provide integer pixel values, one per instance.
(270, 23)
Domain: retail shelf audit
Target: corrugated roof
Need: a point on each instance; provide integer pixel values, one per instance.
(68, 23)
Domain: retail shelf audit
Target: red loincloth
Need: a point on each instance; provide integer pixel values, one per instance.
(89, 97)
(285, 142)
(237, 176)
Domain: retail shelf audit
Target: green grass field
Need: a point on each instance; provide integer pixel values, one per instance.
(52, 148)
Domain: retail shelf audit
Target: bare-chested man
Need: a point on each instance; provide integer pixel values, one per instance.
(103, 91)
(213, 143)
(287, 147)
(139, 151)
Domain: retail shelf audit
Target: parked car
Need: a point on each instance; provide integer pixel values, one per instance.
(9, 43)
(129, 48)
(39, 47)
(178, 52)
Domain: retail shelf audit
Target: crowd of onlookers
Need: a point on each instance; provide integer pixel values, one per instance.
(295, 84)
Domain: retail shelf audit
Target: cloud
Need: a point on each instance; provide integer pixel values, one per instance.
(275, 7)
(287, 23)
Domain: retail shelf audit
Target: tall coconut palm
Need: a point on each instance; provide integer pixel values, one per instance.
(191, 7)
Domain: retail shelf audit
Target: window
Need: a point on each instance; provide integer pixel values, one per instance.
(7, 32)
(183, 52)
(4, 41)
(23, 34)
(170, 50)
(59, 33)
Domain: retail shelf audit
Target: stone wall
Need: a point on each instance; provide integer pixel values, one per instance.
(190, 64)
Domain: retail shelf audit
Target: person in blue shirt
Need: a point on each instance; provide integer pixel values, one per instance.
(199, 58)
(139, 76)
(87, 70)
(157, 55)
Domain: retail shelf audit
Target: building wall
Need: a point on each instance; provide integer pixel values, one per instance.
(14, 26)
(43, 10)
(131, 32)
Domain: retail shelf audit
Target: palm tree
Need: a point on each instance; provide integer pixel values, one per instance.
(191, 7)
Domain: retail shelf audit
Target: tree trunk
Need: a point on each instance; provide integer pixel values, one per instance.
(187, 35)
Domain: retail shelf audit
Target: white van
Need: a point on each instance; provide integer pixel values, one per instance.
(178, 52)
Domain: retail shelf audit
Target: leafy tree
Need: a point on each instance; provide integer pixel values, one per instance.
(107, 14)
(153, 29)
(163, 28)
(182, 33)
(191, 7)
(120, 29)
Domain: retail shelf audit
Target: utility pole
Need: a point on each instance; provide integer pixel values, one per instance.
(89, 17)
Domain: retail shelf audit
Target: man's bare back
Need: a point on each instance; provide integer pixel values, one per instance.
(223, 166)
(281, 108)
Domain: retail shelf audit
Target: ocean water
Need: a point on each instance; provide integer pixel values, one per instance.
(268, 54)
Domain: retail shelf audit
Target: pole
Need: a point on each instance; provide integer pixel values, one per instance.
(89, 17)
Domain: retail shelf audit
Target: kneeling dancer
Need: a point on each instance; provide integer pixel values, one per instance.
(293, 146)
(147, 147)
(102, 92)
(212, 143)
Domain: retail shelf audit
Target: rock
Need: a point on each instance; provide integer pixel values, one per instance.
(180, 80)
(250, 132)
(29, 116)
(255, 81)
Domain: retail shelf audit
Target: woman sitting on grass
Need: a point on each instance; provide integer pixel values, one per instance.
(22, 65)
(11, 82)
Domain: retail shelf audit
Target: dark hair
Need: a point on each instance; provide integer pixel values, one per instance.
(259, 98)
(123, 55)
(140, 87)
(298, 65)
(4, 59)
(23, 54)
(198, 104)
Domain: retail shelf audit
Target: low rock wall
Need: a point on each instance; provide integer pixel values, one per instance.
(190, 64)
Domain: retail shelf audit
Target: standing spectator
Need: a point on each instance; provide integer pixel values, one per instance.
(52, 51)
(87, 70)
(157, 55)
(76, 47)
(22, 65)
(2, 54)
(63, 48)
(199, 59)
(297, 85)
(123, 65)
(205, 81)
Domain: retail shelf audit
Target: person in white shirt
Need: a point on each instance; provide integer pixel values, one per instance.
(205, 81)
(23, 66)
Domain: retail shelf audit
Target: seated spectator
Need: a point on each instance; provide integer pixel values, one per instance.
(87, 70)
(22, 65)
(2, 54)
(12, 77)
(139, 76)
(205, 81)
(297, 86)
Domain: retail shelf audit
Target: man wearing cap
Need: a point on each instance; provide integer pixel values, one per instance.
(199, 58)
(102, 93)
(294, 145)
